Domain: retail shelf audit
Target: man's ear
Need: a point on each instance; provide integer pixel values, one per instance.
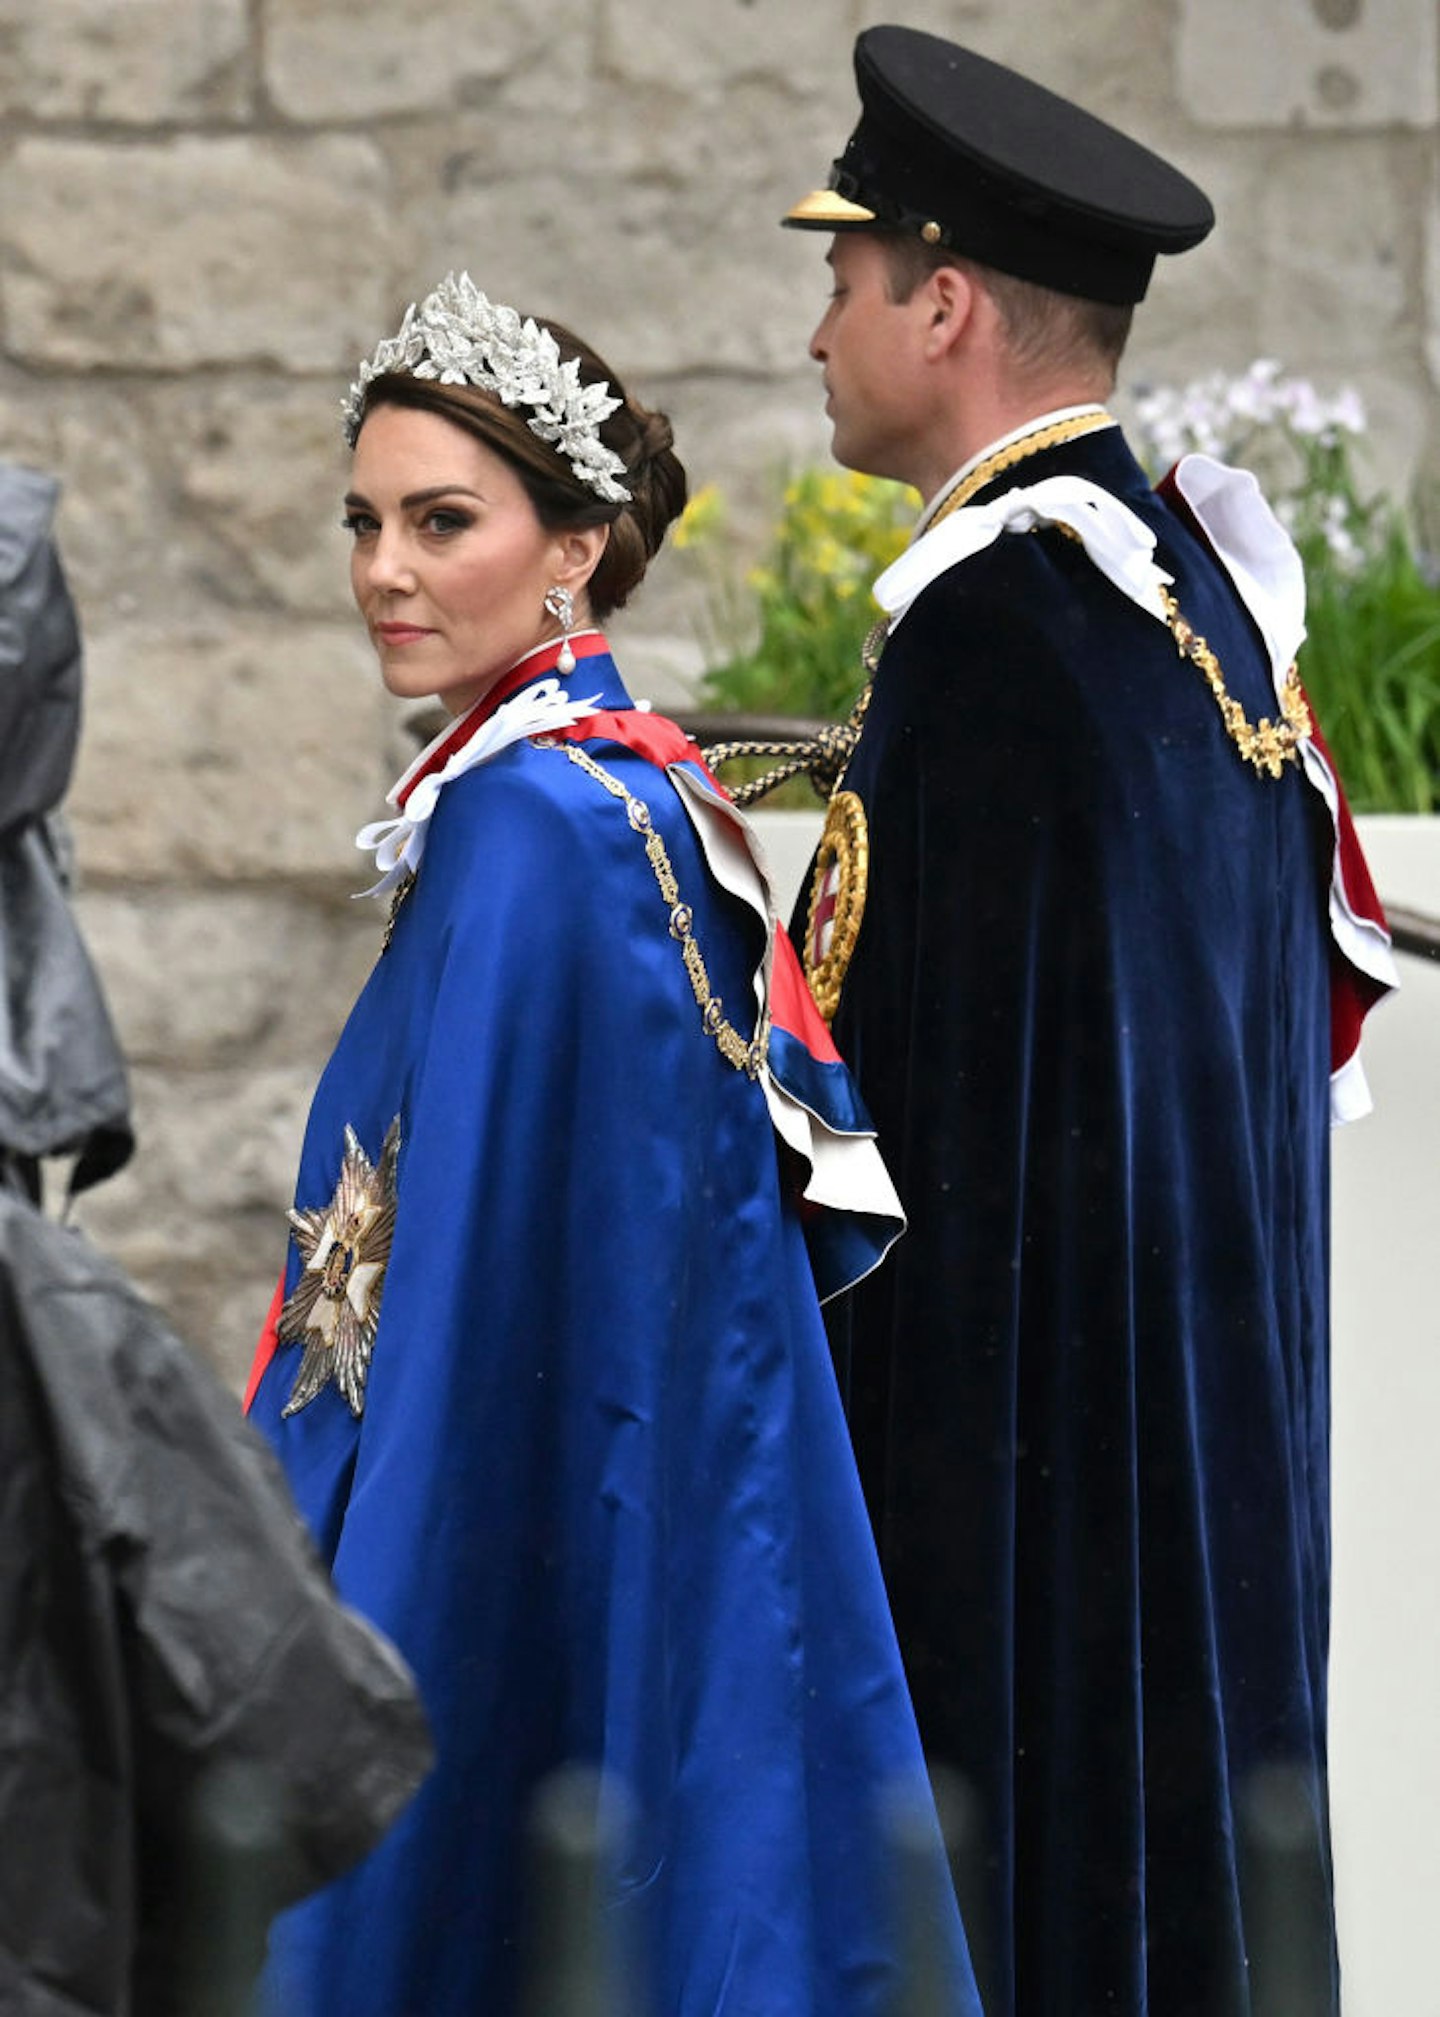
(949, 297)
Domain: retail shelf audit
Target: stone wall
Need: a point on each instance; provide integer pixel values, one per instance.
(213, 207)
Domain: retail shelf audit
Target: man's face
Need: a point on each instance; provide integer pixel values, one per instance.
(875, 377)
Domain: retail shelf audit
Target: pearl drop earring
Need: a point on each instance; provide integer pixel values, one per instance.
(560, 604)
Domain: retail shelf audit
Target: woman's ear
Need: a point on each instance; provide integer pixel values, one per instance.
(577, 554)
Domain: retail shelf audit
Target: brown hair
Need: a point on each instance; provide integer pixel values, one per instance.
(1047, 331)
(641, 437)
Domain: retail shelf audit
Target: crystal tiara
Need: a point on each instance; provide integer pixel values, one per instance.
(459, 337)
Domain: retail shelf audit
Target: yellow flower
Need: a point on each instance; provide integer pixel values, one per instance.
(701, 517)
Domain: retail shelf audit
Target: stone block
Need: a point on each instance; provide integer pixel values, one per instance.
(746, 436)
(224, 489)
(200, 979)
(1201, 313)
(1320, 63)
(145, 61)
(196, 251)
(197, 1218)
(230, 754)
(1430, 277)
(124, 546)
(1072, 50)
(628, 278)
(1339, 243)
(707, 50)
(414, 56)
(260, 473)
(668, 253)
(217, 1304)
(977, 23)
(1308, 264)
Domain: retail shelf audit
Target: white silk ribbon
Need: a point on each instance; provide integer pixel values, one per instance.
(1121, 545)
(399, 843)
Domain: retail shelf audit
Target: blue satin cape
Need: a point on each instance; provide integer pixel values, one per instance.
(601, 1494)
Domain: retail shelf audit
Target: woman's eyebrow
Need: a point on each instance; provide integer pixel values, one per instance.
(427, 496)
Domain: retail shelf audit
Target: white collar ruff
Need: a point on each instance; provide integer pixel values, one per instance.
(398, 844)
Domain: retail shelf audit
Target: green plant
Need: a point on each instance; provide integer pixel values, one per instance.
(788, 641)
(1371, 665)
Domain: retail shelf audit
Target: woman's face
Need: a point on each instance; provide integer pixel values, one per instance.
(450, 564)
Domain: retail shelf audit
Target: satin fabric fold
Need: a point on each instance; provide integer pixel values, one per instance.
(601, 1493)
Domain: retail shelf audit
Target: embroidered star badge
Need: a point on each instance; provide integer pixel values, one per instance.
(334, 1309)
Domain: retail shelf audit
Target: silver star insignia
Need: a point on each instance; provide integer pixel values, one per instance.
(334, 1309)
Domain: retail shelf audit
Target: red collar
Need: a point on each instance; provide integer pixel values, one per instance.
(534, 665)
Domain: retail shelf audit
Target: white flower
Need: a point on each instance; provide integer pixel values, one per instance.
(1305, 411)
(1347, 412)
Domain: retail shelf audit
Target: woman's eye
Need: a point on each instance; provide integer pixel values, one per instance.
(445, 522)
(359, 524)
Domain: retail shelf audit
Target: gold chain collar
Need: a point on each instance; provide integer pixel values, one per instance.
(1265, 745)
(746, 1054)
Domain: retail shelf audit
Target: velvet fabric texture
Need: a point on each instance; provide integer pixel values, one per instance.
(1089, 1391)
(601, 1493)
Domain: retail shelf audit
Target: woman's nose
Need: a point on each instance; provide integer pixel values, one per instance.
(387, 564)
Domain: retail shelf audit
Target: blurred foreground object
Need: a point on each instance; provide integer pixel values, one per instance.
(1286, 1890)
(63, 1087)
(575, 1966)
(197, 1732)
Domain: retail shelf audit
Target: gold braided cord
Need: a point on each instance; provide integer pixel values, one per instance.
(822, 757)
(745, 1054)
(1055, 435)
(842, 864)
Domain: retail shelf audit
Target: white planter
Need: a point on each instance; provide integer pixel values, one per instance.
(1385, 1665)
(788, 839)
(1403, 850)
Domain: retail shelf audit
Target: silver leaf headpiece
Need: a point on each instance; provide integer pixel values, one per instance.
(459, 337)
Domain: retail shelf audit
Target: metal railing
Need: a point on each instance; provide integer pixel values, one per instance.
(1413, 932)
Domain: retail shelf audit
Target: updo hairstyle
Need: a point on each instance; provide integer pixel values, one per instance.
(641, 437)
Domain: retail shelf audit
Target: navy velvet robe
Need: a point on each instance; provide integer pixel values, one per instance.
(1088, 1013)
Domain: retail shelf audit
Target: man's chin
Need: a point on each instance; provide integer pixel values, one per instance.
(851, 455)
(843, 450)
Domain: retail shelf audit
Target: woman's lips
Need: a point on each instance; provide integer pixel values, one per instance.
(401, 633)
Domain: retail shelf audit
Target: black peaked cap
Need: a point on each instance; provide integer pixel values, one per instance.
(962, 151)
